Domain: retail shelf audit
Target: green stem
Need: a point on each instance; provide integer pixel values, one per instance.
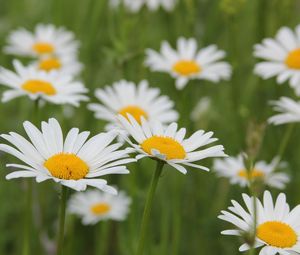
(62, 216)
(285, 140)
(148, 207)
(27, 223)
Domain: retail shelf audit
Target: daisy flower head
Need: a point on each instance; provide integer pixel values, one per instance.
(45, 40)
(168, 144)
(48, 86)
(94, 206)
(75, 161)
(152, 5)
(281, 57)
(289, 111)
(187, 62)
(124, 97)
(234, 169)
(277, 227)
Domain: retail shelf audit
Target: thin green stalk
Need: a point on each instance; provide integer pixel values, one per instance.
(62, 216)
(27, 223)
(148, 207)
(285, 140)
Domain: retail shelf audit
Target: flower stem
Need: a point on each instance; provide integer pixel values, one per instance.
(285, 140)
(62, 216)
(148, 206)
(27, 223)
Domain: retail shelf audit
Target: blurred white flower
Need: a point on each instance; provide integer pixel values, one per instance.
(277, 227)
(187, 62)
(49, 86)
(282, 57)
(94, 206)
(152, 5)
(289, 111)
(201, 108)
(235, 170)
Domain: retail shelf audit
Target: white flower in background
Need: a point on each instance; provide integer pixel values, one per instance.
(152, 5)
(201, 108)
(277, 228)
(282, 57)
(234, 169)
(187, 62)
(125, 97)
(75, 162)
(289, 111)
(94, 206)
(45, 40)
(49, 86)
(169, 144)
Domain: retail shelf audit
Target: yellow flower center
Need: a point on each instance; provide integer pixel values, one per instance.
(49, 64)
(293, 59)
(38, 86)
(67, 166)
(254, 174)
(100, 209)
(165, 145)
(186, 67)
(43, 48)
(135, 111)
(277, 234)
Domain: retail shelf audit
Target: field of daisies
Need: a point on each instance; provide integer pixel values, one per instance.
(150, 127)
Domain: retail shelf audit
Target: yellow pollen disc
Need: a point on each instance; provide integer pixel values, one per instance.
(43, 48)
(135, 111)
(277, 234)
(165, 145)
(186, 67)
(49, 64)
(254, 174)
(38, 86)
(100, 209)
(293, 59)
(67, 166)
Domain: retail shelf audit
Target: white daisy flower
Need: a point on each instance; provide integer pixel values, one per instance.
(169, 144)
(125, 97)
(234, 169)
(45, 40)
(277, 228)
(282, 57)
(187, 63)
(94, 206)
(152, 5)
(289, 111)
(74, 162)
(49, 86)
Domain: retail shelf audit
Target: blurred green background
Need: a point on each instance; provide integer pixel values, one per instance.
(184, 220)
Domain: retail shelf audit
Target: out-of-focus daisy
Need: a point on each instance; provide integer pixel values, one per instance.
(169, 144)
(234, 169)
(153, 5)
(282, 57)
(94, 206)
(125, 97)
(187, 62)
(49, 86)
(201, 108)
(74, 162)
(277, 228)
(45, 40)
(289, 111)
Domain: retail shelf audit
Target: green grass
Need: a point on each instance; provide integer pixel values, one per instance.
(184, 219)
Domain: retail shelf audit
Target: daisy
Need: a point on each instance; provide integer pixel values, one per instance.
(125, 97)
(152, 5)
(94, 206)
(277, 228)
(187, 63)
(45, 40)
(49, 86)
(234, 169)
(168, 144)
(74, 162)
(289, 111)
(282, 57)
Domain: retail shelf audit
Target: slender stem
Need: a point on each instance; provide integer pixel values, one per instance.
(27, 223)
(148, 207)
(285, 140)
(62, 216)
